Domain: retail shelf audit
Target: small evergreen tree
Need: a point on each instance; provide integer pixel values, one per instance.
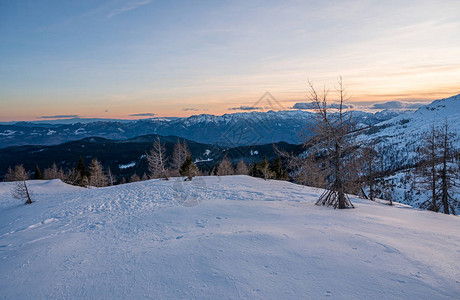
(215, 170)
(188, 168)
(82, 172)
(277, 169)
(38, 173)
(255, 170)
(265, 168)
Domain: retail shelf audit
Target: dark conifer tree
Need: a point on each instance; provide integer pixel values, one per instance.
(38, 173)
(83, 174)
(215, 170)
(277, 169)
(188, 168)
(255, 170)
(265, 169)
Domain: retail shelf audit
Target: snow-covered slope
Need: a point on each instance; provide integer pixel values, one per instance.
(220, 238)
(399, 137)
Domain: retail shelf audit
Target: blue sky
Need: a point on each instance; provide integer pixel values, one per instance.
(176, 58)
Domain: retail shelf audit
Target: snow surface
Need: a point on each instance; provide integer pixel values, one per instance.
(126, 166)
(220, 238)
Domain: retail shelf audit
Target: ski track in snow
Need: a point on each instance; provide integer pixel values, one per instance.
(219, 238)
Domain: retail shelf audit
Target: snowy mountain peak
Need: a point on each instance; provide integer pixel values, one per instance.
(399, 138)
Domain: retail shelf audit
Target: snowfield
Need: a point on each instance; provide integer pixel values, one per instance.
(220, 238)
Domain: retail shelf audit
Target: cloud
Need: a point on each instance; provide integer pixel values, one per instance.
(397, 105)
(60, 117)
(143, 115)
(128, 6)
(242, 107)
(314, 105)
(193, 109)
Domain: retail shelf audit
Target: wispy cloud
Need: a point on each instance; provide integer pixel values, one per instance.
(397, 105)
(242, 107)
(194, 109)
(60, 117)
(130, 5)
(143, 115)
(314, 105)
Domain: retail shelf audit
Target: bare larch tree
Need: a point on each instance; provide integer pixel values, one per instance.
(437, 170)
(369, 161)
(110, 178)
(242, 168)
(157, 160)
(448, 170)
(225, 167)
(134, 178)
(304, 169)
(20, 189)
(332, 147)
(426, 169)
(180, 153)
(97, 178)
(16, 174)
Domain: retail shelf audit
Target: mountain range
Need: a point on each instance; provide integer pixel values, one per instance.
(229, 130)
(241, 136)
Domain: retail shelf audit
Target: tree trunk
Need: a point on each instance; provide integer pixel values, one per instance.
(29, 201)
(445, 189)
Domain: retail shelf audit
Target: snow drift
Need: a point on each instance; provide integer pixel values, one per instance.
(220, 238)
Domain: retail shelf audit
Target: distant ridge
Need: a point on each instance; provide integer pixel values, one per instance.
(230, 130)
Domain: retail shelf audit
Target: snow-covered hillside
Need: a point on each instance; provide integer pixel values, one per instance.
(398, 138)
(220, 238)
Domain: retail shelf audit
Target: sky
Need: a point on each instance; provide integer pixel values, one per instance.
(142, 58)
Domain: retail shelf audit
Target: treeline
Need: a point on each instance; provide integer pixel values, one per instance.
(160, 165)
(333, 160)
(94, 174)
